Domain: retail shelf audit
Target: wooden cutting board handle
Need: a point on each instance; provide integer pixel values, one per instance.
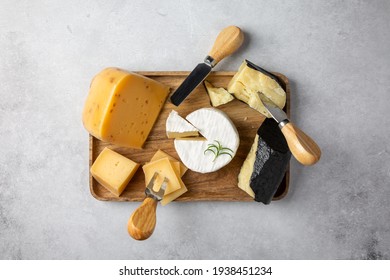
(227, 42)
(303, 148)
(143, 220)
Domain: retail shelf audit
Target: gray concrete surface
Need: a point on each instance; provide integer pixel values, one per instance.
(336, 55)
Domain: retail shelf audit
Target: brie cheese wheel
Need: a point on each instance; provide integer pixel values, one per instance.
(252, 86)
(218, 96)
(176, 126)
(214, 125)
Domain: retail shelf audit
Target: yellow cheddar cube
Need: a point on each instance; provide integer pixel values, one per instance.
(160, 154)
(113, 171)
(122, 107)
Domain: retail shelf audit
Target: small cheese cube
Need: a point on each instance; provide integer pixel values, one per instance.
(122, 107)
(113, 171)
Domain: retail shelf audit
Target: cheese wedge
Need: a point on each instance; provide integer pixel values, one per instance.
(113, 171)
(164, 168)
(250, 86)
(218, 96)
(266, 163)
(122, 107)
(176, 126)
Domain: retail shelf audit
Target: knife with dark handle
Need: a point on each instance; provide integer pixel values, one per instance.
(227, 42)
(303, 148)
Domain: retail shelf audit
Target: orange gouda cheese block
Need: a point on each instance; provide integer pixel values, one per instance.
(122, 107)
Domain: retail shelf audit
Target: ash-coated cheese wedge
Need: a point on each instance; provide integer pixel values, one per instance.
(221, 136)
(122, 107)
(176, 126)
(218, 96)
(266, 164)
(253, 86)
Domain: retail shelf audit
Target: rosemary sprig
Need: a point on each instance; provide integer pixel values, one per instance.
(218, 149)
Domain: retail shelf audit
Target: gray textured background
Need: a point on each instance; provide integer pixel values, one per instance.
(337, 56)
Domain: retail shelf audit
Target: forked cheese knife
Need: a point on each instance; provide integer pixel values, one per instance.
(303, 148)
(143, 220)
(227, 42)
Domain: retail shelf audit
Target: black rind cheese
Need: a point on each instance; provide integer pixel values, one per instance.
(272, 159)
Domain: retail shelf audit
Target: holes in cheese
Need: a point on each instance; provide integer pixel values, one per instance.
(113, 171)
(122, 107)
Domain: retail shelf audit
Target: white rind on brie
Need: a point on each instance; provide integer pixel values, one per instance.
(214, 125)
(249, 85)
(176, 126)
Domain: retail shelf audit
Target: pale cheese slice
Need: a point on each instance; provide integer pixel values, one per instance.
(218, 96)
(176, 126)
(247, 168)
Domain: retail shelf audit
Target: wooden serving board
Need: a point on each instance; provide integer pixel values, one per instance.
(220, 185)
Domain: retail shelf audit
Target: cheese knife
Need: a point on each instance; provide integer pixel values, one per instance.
(227, 42)
(142, 222)
(303, 148)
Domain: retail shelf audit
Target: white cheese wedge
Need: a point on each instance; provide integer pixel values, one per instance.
(247, 169)
(214, 125)
(250, 86)
(176, 126)
(218, 96)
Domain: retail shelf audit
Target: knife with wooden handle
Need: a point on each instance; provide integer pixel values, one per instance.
(227, 42)
(303, 148)
(142, 222)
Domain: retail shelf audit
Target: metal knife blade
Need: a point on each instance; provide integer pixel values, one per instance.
(227, 42)
(278, 114)
(149, 188)
(196, 77)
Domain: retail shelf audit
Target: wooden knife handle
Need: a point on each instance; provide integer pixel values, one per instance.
(227, 42)
(303, 148)
(143, 220)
